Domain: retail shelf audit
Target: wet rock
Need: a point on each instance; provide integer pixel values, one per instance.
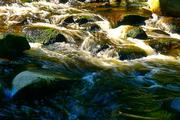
(137, 32)
(13, 45)
(175, 104)
(58, 38)
(156, 33)
(83, 21)
(39, 82)
(132, 31)
(169, 24)
(41, 35)
(166, 46)
(165, 7)
(133, 20)
(94, 28)
(129, 52)
(68, 20)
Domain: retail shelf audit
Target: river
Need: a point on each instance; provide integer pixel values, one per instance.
(83, 65)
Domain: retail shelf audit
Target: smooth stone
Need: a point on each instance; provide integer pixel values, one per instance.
(39, 82)
(13, 45)
(175, 104)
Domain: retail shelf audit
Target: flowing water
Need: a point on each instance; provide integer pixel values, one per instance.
(118, 77)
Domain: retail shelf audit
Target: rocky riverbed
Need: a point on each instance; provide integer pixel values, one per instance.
(81, 60)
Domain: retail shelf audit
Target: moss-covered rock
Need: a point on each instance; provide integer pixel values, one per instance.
(167, 46)
(137, 32)
(13, 45)
(132, 31)
(129, 52)
(165, 7)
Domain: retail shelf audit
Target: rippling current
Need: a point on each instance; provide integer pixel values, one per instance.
(110, 75)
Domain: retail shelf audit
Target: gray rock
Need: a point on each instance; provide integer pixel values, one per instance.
(39, 82)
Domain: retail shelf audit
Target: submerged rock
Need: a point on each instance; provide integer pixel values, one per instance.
(39, 82)
(13, 45)
(175, 104)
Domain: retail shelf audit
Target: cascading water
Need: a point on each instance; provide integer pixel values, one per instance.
(118, 77)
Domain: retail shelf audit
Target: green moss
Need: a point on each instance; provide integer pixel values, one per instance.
(40, 35)
(131, 52)
(167, 46)
(137, 32)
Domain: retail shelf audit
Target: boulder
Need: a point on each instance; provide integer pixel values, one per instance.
(137, 32)
(133, 20)
(39, 83)
(132, 31)
(166, 46)
(165, 7)
(130, 52)
(13, 45)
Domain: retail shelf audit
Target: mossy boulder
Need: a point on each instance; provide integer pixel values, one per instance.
(165, 7)
(137, 32)
(130, 52)
(132, 31)
(13, 45)
(166, 46)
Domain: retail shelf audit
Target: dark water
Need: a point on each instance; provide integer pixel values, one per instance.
(100, 85)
